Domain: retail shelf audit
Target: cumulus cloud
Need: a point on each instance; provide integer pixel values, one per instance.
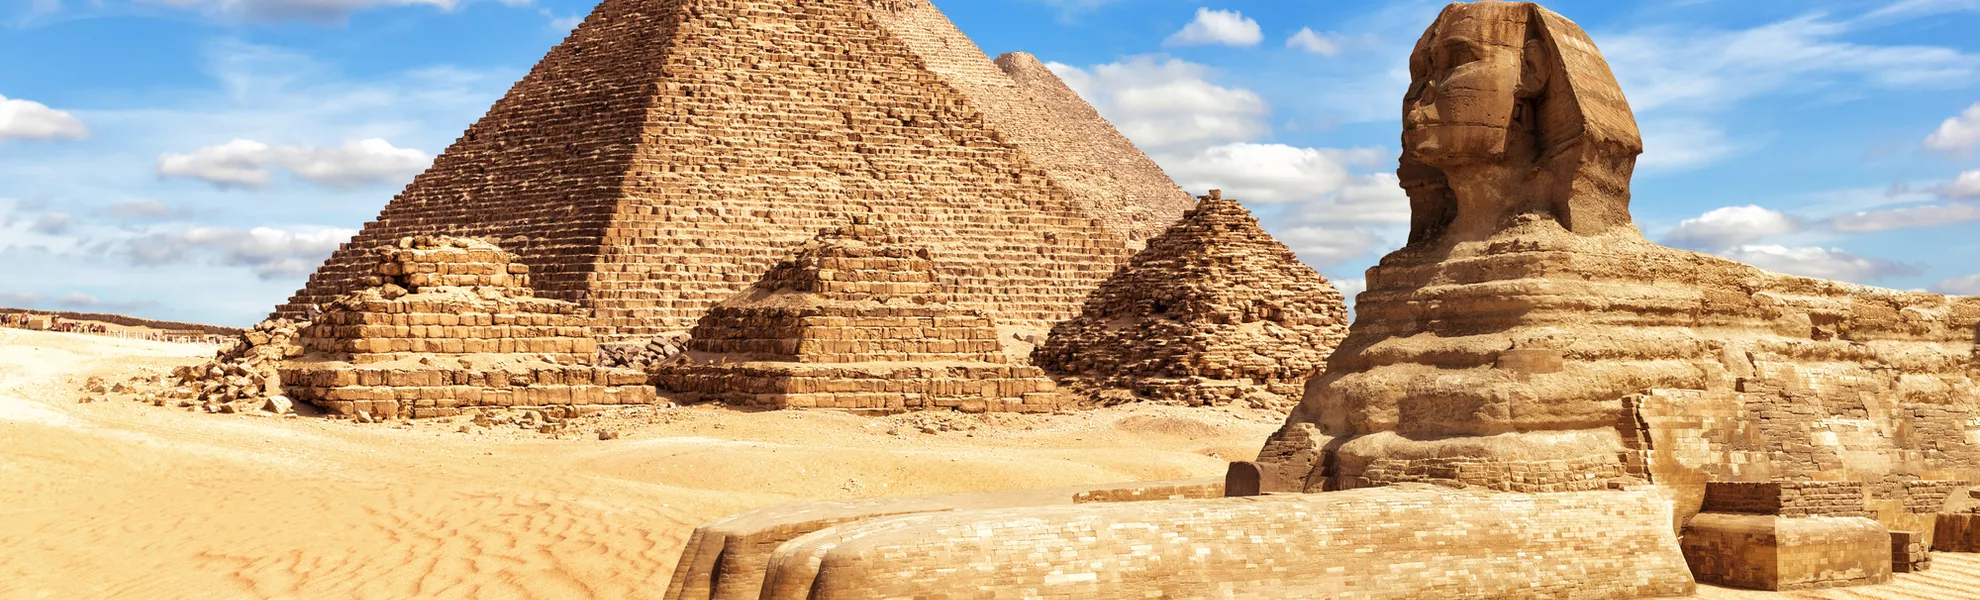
(1824, 263)
(269, 252)
(1958, 135)
(1168, 104)
(1966, 186)
(1321, 180)
(1308, 40)
(1731, 226)
(1226, 27)
(1350, 287)
(1959, 286)
(29, 120)
(1327, 246)
(251, 164)
(1907, 217)
(53, 223)
(19, 299)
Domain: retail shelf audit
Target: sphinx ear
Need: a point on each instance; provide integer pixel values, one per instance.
(1535, 69)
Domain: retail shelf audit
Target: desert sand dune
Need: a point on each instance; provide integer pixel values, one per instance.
(121, 499)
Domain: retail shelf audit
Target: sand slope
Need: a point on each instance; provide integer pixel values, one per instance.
(126, 500)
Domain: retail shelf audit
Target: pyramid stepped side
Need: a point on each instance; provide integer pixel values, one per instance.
(446, 324)
(1212, 311)
(779, 118)
(1034, 110)
(541, 171)
(853, 322)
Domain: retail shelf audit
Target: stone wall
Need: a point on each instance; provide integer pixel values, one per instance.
(1400, 542)
(857, 319)
(445, 325)
(669, 151)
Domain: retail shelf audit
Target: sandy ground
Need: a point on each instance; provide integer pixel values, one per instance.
(122, 499)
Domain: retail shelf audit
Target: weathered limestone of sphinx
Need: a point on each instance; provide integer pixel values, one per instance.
(449, 324)
(857, 319)
(1213, 311)
(729, 559)
(1530, 339)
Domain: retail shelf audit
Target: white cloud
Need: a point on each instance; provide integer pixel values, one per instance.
(1327, 246)
(1679, 144)
(1958, 135)
(82, 301)
(1959, 286)
(29, 120)
(1731, 226)
(1903, 218)
(1319, 179)
(561, 24)
(1824, 263)
(1226, 27)
(145, 210)
(269, 252)
(322, 11)
(1966, 186)
(54, 223)
(1919, 8)
(1690, 68)
(19, 299)
(1308, 40)
(248, 163)
(1169, 104)
(1350, 287)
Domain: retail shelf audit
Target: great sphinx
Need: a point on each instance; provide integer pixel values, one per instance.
(1534, 401)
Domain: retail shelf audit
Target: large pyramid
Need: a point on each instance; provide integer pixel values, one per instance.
(669, 151)
(1214, 310)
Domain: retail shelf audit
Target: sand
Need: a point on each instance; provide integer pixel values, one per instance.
(122, 499)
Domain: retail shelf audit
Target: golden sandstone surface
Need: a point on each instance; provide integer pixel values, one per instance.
(1533, 379)
(667, 153)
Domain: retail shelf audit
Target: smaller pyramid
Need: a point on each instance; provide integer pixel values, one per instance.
(447, 324)
(1214, 310)
(856, 320)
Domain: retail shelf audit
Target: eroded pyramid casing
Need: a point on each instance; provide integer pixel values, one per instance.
(669, 151)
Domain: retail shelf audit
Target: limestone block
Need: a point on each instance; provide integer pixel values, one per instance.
(1769, 552)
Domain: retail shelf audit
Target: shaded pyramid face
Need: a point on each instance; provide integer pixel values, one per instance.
(1213, 298)
(666, 154)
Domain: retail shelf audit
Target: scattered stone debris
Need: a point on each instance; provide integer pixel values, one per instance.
(241, 378)
(639, 356)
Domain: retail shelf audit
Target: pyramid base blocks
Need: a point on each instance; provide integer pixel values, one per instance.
(881, 387)
(420, 393)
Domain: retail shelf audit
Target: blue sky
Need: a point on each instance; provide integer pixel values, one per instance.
(195, 159)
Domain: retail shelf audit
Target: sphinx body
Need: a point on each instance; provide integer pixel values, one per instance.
(1530, 339)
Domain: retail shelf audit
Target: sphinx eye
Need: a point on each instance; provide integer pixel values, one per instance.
(1459, 53)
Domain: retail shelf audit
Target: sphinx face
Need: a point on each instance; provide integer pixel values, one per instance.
(1465, 75)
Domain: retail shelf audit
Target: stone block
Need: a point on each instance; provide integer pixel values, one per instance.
(1770, 552)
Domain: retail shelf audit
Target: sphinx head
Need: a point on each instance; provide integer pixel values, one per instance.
(1512, 113)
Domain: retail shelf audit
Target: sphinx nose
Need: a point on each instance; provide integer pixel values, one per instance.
(1429, 95)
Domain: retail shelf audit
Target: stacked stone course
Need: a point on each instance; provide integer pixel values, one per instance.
(669, 152)
(858, 319)
(1213, 311)
(451, 324)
